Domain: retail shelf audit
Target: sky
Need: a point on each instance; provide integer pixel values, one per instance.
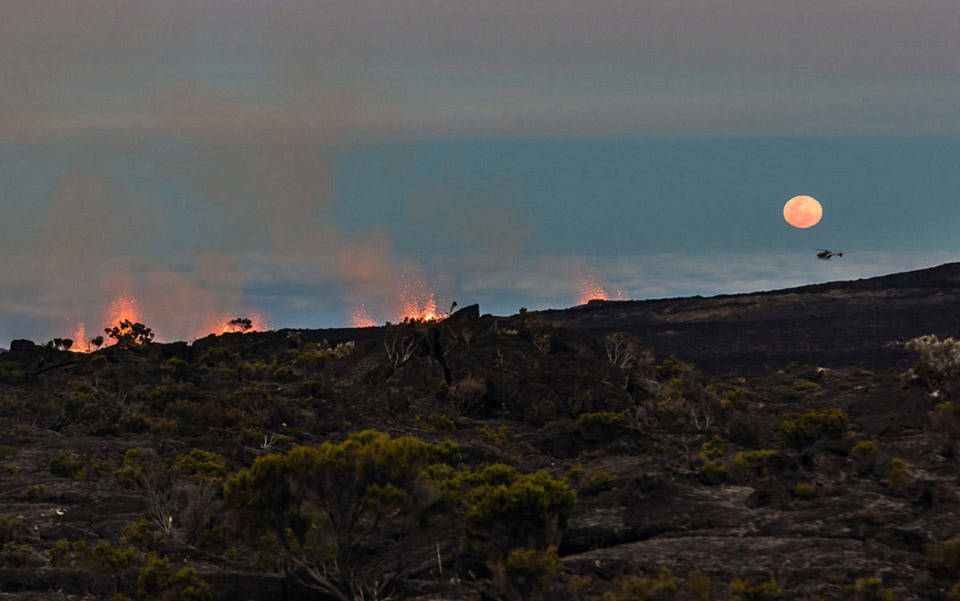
(308, 162)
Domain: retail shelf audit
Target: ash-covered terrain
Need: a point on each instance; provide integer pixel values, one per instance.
(795, 448)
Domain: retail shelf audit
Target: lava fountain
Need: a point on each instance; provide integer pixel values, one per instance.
(418, 302)
(588, 289)
(361, 319)
(122, 308)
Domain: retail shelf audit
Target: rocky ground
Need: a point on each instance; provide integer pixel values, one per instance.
(799, 480)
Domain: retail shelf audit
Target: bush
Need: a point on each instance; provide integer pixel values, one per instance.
(464, 397)
(10, 528)
(865, 449)
(157, 580)
(943, 559)
(753, 463)
(582, 479)
(744, 590)
(130, 474)
(322, 504)
(663, 587)
(805, 491)
(801, 430)
(15, 555)
(66, 464)
(434, 422)
(715, 447)
(201, 465)
(937, 359)
(527, 573)
(102, 557)
(712, 472)
(136, 422)
(899, 476)
(602, 425)
(510, 510)
(142, 534)
(867, 589)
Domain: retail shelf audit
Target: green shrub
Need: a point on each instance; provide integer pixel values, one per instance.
(663, 587)
(283, 374)
(715, 447)
(744, 590)
(602, 424)
(135, 422)
(753, 463)
(8, 452)
(899, 476)
(66, 464)
(463, 397)
(954, 593)
(712, 472)
(324, 503)
(157, 580)
(865, 449)
(434, 422)
(867, 589)
(582, 479)
(142, 534)
(943, 559)
(101, 557)
(527, 573)
(496, 437)
(202, 465)
(512, 510)
(10, 528)
(131, 472)
(14, 555)
(804, 491)
(803, 429)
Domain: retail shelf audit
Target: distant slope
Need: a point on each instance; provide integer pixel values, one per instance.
(831, 324)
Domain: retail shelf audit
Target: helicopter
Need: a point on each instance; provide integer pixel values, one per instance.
(826, 255)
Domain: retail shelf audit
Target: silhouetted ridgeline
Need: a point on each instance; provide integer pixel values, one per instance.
(837, 323)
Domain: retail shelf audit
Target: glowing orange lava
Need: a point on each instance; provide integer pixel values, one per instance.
(361, 319)
(80, 342)
(122, 308)
(588, 289)
(222, 325)
(417, 302)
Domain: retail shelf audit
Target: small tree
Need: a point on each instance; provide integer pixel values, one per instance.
(510, 510)
(128, 334)
(240, 324)
(325, 505)
(60, 344)
(97, 342)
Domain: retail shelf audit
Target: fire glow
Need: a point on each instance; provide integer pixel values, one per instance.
(361, 319)
(417, 302)
(588, 289)
(123, 308)
(231, 325)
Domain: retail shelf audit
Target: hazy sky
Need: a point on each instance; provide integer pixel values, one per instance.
(299, 159)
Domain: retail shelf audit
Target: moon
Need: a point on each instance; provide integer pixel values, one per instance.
(802, 211)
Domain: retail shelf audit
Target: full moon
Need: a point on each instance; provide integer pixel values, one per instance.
(802, 211)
